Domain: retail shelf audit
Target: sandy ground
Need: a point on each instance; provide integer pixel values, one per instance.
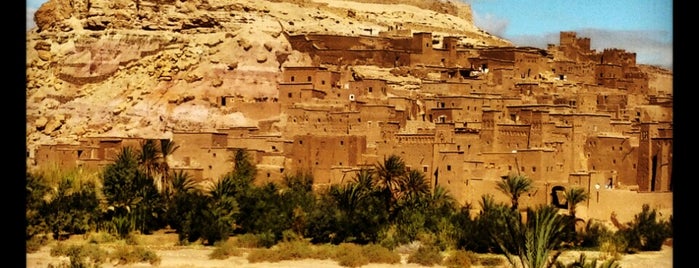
(197, 256)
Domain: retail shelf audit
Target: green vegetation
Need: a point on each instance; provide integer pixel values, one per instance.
(382, 208)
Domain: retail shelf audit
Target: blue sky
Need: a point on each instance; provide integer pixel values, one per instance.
(641, 26)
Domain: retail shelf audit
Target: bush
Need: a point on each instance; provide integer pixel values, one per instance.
(426, 255)
(378, 254)
(647, 233)
(460, 258)
(88, 255)
(36, 242)
(134, 254)
(490, 261)
(293, 250)
(350, 255)
(100, 237)
(594, 234)
(223, 250)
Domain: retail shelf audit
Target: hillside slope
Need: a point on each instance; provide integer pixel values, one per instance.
(146, 68)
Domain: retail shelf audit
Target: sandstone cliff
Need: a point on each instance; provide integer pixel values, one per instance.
(146, 68)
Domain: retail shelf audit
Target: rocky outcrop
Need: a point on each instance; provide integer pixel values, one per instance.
(136, 67)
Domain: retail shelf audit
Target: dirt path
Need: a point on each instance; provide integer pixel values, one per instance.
(199, 258)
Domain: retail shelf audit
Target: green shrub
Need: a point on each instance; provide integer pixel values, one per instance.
(614, 245)
(101, 237)
(379, 254)
(593, 234)
(134, 254)
(292, 250)
(264, 255)
(490, 261)
(647, 232)
(460, 259)
(35, 243)
(223, 250)
(88, 255)
(324, 251)
(350, 255)
(426, 255)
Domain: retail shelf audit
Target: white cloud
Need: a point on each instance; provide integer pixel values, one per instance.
(491, 23)
(651, 47)
(30, 18)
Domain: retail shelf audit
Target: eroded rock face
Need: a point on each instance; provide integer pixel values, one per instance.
(119, 67)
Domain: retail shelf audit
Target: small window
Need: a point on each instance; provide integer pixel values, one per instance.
(290, 95)
(342, 142)
(309, 78)
(292, 79)
(322, 82)
(449, 167)
(424, 169)
(533, 169)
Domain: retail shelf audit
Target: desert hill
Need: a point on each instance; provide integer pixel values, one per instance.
(146, 68)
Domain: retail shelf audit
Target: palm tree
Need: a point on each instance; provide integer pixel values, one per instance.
(148, 157)
(365, 179)
(575, 196)
(514, 186)
(167, 148)
(413, 185)
(530, 244)
(388, 173)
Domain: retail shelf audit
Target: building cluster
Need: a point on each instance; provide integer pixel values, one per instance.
(565, 116)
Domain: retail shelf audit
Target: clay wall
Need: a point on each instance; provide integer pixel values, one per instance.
(320, 153)
(450, 172)
(575, 71)
(470, 107)
(64, 157)
(197, 174)
(318, 77)
(270, 169)
(529, 64)
(512, 137)
(289, 94)
(206, 150)
(608, 74)
(604, 202)
(257, 110)
(613, 103)
(617, 57)
(369, 88)
(239, 132)
(441, 115)
(301, 121)
(613, 153)
(381, 58)
(654, 160)
(416, 150)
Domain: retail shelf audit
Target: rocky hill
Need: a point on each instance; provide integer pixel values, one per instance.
(145, 68)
